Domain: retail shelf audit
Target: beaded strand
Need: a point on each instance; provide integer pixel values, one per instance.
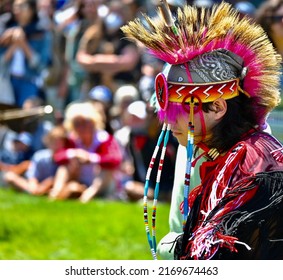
(152, 240)
(156, 189)
(190, 151)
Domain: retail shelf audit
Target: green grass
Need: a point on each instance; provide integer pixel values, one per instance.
(34, 228)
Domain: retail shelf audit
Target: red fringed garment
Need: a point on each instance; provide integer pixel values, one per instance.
(236, 212)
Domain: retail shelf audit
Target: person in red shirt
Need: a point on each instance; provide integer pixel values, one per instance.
(89, 168)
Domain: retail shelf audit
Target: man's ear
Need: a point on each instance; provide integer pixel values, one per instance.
(219, 106)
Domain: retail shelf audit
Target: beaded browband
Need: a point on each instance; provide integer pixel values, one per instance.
(204, 93)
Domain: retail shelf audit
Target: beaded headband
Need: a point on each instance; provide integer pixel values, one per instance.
(204, 93)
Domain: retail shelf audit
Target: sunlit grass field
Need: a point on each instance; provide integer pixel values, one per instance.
(34, 228)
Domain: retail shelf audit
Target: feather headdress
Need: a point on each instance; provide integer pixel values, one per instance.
(197, 31)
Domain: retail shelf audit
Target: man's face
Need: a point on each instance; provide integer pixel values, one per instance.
(180, 127)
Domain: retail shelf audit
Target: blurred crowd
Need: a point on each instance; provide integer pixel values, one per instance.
(72, 56)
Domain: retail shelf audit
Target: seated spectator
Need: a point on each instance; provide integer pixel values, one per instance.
(39, 176)
(17, 159)
(89, 168)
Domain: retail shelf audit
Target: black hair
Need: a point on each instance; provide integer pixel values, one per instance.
(238, 120)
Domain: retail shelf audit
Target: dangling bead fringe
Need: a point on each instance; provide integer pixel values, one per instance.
(190, 151)
(152, 239)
